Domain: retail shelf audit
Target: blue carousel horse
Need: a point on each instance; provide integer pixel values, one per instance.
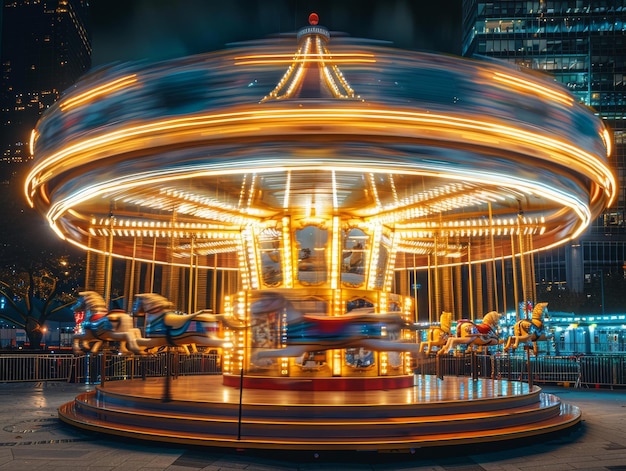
(314, 333)
(96, 325)
(168, 328)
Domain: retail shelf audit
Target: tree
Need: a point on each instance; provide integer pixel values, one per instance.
(38, 273)
(38, 291)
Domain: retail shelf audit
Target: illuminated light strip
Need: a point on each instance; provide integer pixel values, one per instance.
(517, 134)
(286, 259)
(576, 205)
(97, 92)
(128, 182)
(242, 191)
(534, 87)
(334, 183)
(31, 142)
(249, 257)
(373, 262)
(412, 117)
(287, 57)
(335, 254)
(135, 258)
(287, 190)
(372, 180)
(330, 81)
(405, 116)
(296, 72)
(322, 57)
(251, 192)
(307, 60)
(389, 269)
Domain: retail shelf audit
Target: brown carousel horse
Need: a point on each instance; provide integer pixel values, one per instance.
(529, 330)
(437, 335)
(471, 334)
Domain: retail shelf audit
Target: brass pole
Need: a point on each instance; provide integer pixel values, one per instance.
(436, 278)
(415, 299)
(131, 282)
(191, 278)
(153, 266)
(493, 260)
(107, 287)
(515, 282)
(523, 266)
(531, 263)
(479, 289)
(470, 280)
(430, 293)
(214, 287)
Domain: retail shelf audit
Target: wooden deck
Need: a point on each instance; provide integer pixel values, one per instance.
(202, 410)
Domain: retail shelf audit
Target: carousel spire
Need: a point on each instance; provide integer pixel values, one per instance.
(314, 72)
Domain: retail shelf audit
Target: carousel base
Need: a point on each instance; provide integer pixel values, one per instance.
(203, 410)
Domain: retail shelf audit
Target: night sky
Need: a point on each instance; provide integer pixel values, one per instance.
(162, 29)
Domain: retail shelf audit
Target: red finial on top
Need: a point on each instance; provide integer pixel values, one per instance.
(313, 19)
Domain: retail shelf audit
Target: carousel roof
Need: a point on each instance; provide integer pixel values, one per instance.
(445, 152)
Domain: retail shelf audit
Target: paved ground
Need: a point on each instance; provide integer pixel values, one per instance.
(32, 438)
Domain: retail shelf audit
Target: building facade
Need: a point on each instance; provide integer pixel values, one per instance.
(582, 44)
(45, 47)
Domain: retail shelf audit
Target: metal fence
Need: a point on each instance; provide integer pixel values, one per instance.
(92, 369)
(577, 371)
(35, 367)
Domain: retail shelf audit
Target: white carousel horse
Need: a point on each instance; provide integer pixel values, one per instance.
(529, 330)
(314, 333)
(165, 327)
(437, 335)
(471, 334)
(96, 325)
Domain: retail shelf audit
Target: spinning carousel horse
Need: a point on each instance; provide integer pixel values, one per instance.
(314, 333)
(532, 330)
(165, 327)
(96, 325)
(470, 334)
(437, 335)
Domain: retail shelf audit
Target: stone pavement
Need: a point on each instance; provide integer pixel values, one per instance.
(32, 438)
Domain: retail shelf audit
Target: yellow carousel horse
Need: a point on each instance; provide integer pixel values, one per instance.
(437, 335)
(471, 334)
(529, 330)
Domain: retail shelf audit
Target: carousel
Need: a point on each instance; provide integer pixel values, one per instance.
(304, 203)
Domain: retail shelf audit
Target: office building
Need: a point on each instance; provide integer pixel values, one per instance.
(45, 47)
(582, 44)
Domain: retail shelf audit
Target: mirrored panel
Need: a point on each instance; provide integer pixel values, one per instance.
(381, 267)
(269, 248)
(312, 266)
(360, 358)
(353, 258)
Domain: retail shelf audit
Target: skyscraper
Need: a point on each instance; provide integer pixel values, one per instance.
(45, 47)
(582, 44)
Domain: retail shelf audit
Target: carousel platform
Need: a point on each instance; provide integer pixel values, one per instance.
(202, 410)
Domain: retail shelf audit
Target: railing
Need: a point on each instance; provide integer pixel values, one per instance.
(35, 367)
(96, 367)
(577, 371)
